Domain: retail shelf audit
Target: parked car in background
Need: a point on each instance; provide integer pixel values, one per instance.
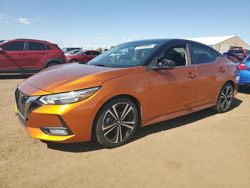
(82, 56)
(245, 72)
(71, 52)
(132, 85)
(234, 58)
(29, 55)
(70, 49)
(239, 52)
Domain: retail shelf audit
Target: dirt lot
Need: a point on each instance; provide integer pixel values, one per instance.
(203, 149)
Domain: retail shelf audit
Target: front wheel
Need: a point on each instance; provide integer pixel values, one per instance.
(116, 122)
(225, 98)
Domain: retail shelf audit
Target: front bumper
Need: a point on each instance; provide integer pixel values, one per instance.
(77, 118)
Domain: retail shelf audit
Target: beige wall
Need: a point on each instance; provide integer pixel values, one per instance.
(235, 41)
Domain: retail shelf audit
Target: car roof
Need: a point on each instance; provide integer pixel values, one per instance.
(29, 40)
(165, 41)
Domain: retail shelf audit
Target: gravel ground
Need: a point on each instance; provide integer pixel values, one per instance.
(203, 149)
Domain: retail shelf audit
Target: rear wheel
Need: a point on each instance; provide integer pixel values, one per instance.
(225, 98)
(74, 61)
(116, 122)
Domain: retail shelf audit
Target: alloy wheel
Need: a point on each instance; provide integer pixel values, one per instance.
(119, 122)
(226, 97)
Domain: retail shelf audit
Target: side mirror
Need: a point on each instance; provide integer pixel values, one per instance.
(1, 50)
(164, 63)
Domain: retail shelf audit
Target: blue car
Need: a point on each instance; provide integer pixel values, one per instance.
(245, 72)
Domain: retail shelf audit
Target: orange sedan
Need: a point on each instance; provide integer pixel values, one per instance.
(131, 85)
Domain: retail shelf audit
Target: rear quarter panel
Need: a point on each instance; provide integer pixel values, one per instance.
(232, 72)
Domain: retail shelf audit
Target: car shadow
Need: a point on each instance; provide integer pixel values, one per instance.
(180, 121)
(21, 76)
(142, 132)
(245, 90)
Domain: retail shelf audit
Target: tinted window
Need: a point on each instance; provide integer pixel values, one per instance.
(88, 53)
(13, 46)
(36, 46)
(95, 53)
(178, 54)
(201, 54)
(238, 52)
(47, 47)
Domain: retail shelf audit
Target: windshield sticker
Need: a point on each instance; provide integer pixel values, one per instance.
(145, 47)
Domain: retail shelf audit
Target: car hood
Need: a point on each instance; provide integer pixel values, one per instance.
(63, 78)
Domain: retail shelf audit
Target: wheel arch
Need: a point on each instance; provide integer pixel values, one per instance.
(132, 98)
(51, 62)
(231, 82)
(54, 60)
(225, 82)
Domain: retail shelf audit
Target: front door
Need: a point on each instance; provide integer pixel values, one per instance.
(12, 56)
(172, 90)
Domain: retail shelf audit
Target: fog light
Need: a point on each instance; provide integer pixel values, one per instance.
(57, 131)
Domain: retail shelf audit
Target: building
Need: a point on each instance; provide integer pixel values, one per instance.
(222, 43)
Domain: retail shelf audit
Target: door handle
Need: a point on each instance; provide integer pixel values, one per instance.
(191, 75)
(222, 69)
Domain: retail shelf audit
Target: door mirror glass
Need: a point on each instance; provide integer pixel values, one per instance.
(164, 63)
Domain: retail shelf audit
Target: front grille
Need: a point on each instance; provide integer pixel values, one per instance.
(21, 100)
(25, 103)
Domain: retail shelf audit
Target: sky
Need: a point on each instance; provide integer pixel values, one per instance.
(103, 23)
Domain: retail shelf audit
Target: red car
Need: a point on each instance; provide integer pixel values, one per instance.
(28, 55)
(241, 53)
(82, 56)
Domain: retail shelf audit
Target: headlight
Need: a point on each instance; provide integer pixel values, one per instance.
(69, 97)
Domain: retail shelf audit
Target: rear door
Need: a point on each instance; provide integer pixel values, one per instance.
(12, 56)
(210, 73)
(172, 90)
(37, 53)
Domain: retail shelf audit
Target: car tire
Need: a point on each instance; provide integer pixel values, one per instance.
(116, 122)
(225, 98)
(74, 61)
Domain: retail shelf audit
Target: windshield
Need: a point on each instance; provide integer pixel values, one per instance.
(126, 55)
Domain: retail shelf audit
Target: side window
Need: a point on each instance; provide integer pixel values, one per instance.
(178, 54)
(95, 53)
(201, 54)
(36, 46)
(47, 47)
(13, 46)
